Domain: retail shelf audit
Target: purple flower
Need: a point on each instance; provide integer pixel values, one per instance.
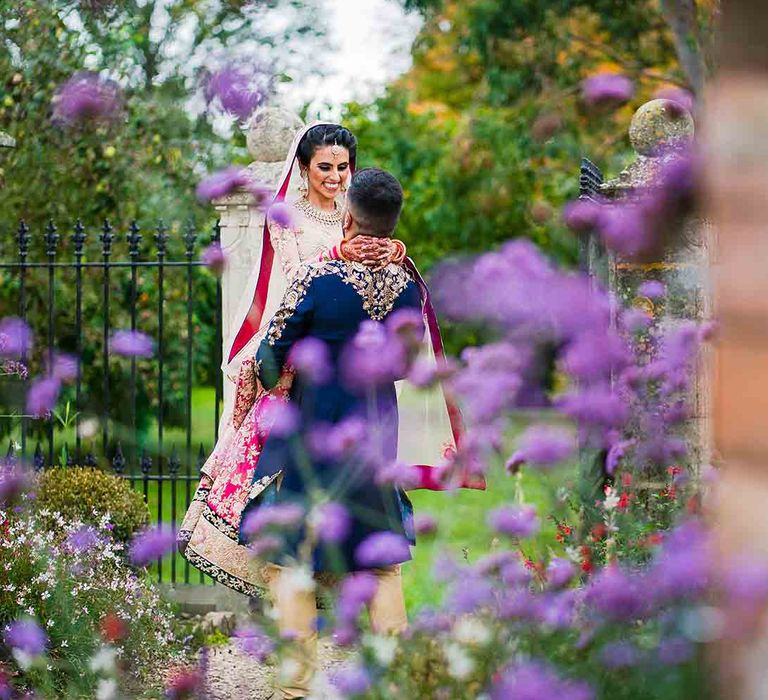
(236, 90)
(545, 446)
(627, 229)
(653, 289)
(635, 320)
(86, 96)
(674, 651)
(26, 636)
(469, 594)
(597, 406)
(331, 522)
(581, 215)
(357, 591)
(131, 344)
(607, 90)
(408, 325)
(282, 214)
(42, 396)
(746, 580)
(616, 452)
(351, 680)
(677, 96)
(619, 655)
(15, 337)
(617, 595)
(514, 521)
(64, 367)
(311, 359)
(83, 539)
(222, 183)
(533, 680)
(14, 481)
(277, 516)
(339, 440)
(560, 572)
(424, 524)
(373, 358)
(404, 475)
(254, 642)
(214, 259)
(382, 549)
(278, 417)
(152, 545)
(266, 544)
(596, 355)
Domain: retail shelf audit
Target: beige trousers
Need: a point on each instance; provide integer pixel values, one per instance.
(297, 620)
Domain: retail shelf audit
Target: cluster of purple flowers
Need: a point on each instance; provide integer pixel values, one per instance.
(608, 90)
(87, 96)
(152, 545)
(237, 90)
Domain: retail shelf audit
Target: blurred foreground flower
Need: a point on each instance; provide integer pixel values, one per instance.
(514, 521)
(677, 96)
(312, 360)
(382, 549)
(533, 680)
(277, 516)
(131, 344)
(222, 183)
(607, 90)
(15, 480)
(331, 522)
(152, 545)
(254, 642)
(214, 259)
(236, 90)
(42, 396)
(27, 641)
(282, 214)
(15, 337)
(544, 446)
(86, 96)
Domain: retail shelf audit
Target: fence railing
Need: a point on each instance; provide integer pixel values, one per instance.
(75, 289)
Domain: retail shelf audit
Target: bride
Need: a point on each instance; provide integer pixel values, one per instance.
(308, 229)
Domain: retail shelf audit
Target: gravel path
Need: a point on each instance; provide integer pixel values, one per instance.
(233, 675)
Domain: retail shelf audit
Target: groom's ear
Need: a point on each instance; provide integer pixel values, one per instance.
(347, 223)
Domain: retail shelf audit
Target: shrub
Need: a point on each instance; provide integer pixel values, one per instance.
(101, 620)
(86, 494)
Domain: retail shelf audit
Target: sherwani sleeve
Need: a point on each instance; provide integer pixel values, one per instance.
(290, 324)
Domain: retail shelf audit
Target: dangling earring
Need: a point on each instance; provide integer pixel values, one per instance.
(343, 187)
(303, 188)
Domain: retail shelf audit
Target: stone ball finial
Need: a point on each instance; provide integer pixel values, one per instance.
(270, 133)
(659, 125)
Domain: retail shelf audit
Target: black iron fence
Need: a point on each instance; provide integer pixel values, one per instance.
(151, 421)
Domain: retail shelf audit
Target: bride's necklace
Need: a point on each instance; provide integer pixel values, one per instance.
(316, 214)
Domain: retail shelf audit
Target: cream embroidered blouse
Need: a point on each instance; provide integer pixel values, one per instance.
(314, 232)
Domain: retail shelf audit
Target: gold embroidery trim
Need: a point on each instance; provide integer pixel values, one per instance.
(378, 288)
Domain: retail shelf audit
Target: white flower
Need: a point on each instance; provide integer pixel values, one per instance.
(23, 659)
(106, 689)
(611, 499)
(103, 661)
(297, 579)
(383, 648)
(460, 664)
(288, 670)
(470, 630)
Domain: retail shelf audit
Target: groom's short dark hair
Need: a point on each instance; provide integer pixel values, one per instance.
(375, 199)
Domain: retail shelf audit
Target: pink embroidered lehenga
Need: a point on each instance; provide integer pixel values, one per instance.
(208, 535)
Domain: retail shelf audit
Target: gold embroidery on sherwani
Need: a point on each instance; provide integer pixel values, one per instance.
(379, 289)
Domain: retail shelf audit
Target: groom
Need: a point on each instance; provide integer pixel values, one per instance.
(327, 302)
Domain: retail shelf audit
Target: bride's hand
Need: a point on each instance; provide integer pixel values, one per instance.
(370, 251)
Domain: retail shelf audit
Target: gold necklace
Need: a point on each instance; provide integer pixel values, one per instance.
(320, 215)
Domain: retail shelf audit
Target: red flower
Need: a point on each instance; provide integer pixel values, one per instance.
(112, 628)
(624, 500)
(626, 479)
(674, 470)
(598, 531)
(669, 492)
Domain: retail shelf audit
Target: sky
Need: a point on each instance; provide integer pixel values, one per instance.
(369, 44)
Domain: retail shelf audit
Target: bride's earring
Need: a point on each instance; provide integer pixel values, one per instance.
(343, 187)
(303, 188)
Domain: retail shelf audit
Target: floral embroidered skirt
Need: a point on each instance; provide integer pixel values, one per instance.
(208, 535)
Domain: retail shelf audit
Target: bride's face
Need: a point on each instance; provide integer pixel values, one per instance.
(328, 172)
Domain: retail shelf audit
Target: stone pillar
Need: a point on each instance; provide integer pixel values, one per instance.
(655, 132)
(270, 134)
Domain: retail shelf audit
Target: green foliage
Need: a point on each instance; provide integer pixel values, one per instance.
(81, 493)
(486, 130)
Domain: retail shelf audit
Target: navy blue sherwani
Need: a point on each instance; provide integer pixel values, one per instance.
(328, 301)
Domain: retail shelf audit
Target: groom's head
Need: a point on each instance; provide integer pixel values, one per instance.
(374, 201)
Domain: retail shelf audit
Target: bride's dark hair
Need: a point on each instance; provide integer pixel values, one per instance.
(325, 135)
